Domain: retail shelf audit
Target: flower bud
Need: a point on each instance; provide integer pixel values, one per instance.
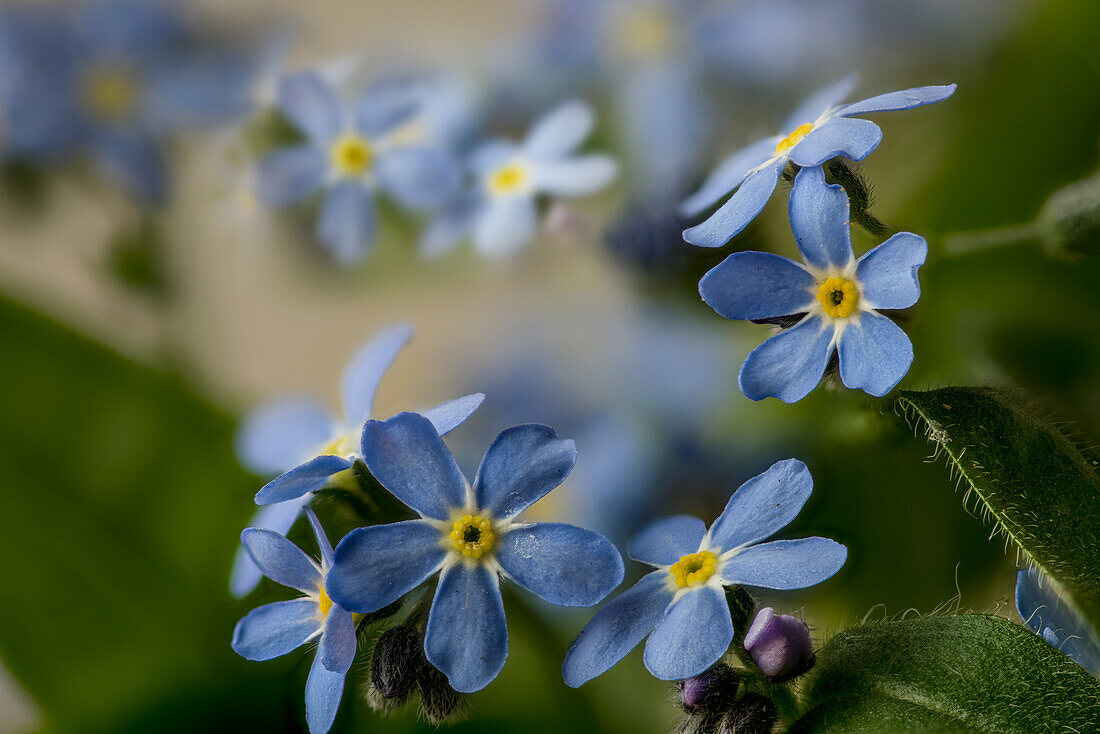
(398, 655)
(439, 703)
(780, 645)
(711, 690)
(752, 714)
(1069, 221)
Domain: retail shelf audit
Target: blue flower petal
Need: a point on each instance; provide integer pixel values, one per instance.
(790, 364)
(406, 454)
(906, 99)
(307, 477)
(617, 629)
(819, 220)
(282, 434)
(577, 176)
(378, 565)
(491, 154)
(449, 226)
(521, 466)
(348, 221)
(874, 354)
(560, 131)
(275, 629)
(820, 102)
(742, 208)
(850, 137)
(311, 105)
(505, 225)
(360, 380)
(450, 415)
(693, 635)
(467, 637)
(290, 175)
(418, 178)
(383, 109)
(1049, 616)
(785, 564)
(887, 275)
(757, 285)
(338, 641)
(281, 560)
(563, 564)
(662, 542)
(323, 544)
(324, 689)
(763, 505)
(280, 518)
(728, 175)
(133, 160)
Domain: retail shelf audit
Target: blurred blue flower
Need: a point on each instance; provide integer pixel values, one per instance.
(502, 212)
(1052, 618)
(276, 629)
(349, 152)
(682, 606)
(471, 536)
(819, 129)
(299, 439)
(114, 79)
(834, 297)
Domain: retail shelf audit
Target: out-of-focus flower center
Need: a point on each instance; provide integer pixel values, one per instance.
(794, 138)
(351, 155)
(109, 92)
(324, 604)
(509, 178)
(341, 445)
(472, 536)
(693, 569)
(644, 32)
(838, 297)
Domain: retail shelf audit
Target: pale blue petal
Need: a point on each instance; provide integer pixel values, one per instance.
(382, 109)
(467, 637)
(742, 208)
(290, 175)
(1049, 616)
(281, 561)
(275, 629)
(311, 105)
(785, 564)
(906, 99)
(577, 176)
(693, 635)
(728, 175)
(757, 285)
(360, 380)
(492, 154)
(406, 454)
(563, 564)
(560, 131)
(505, 225)
(850, 137)
(323, 544)
(450, 415)
(308, 477)
(377, 565)
(790, 364)
(874, 354)
(763, 505)
(819, 220)
(521, 466)
(348, 221)
(338, 642)
(617, 629)
(133, 160)
(280, 518)
(664, 541)
(449, 226)
(324, 689)
(418, 178)
(820, 102)
(887, 275)
(282, 434)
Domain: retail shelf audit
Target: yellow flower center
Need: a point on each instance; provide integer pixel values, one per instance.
(693, 569)
(109, 93)
(838, 297)
(342, 445)
(351, 155)
(794, 138)
(472, 536)
(324, 604)
(644, 33)
(508, 178)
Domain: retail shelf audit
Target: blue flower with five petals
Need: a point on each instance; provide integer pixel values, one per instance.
(349, 153)
(470, 536)
(300, 439)
(276, 629)
(1048, 615)
(682, 606)
(821, 128)
(836, 296)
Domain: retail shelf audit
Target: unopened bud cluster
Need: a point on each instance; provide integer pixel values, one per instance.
(399, 668)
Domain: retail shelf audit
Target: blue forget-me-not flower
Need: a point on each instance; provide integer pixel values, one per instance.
(1052, 618)
(299, 439)
(682, 605)
(837, 296)
(819, 129)
(470, 536)
(276, 629)
(350, 152)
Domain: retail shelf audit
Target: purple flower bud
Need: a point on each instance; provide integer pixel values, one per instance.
(709, 690)
(780, 645)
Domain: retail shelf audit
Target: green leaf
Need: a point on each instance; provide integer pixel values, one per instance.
(971, 673)
(1038, 487)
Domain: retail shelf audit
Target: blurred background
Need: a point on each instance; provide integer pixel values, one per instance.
(148, 301)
